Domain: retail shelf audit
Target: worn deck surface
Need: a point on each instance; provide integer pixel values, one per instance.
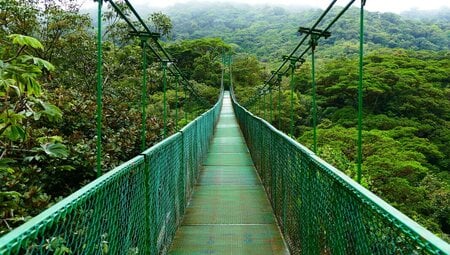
(229, 212)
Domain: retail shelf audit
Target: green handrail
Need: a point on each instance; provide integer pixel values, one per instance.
(320, 209)
(134, 208)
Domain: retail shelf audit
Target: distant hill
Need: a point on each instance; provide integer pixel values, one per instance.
(269, 31)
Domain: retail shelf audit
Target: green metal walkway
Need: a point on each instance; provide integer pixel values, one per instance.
(229, 212)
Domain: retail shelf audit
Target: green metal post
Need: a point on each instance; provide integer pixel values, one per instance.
(144, 96)
(164, 99)
(148, 208)
(176, 102)
(360, 92)
(223, 70)
(185, 104)
(271, 106)
(264, 105)
(291, 125)
(99, 89)
(279, 106)
(260, 107)
(313, 77)
(229, 65)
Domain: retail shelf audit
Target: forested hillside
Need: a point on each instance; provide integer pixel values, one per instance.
(269, 32)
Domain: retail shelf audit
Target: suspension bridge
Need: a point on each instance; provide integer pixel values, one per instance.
(226, 183)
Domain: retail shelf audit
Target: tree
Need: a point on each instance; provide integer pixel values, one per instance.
(26, 149)
(161, 23)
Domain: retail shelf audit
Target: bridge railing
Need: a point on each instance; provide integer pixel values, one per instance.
(133, 209)
(320, 210)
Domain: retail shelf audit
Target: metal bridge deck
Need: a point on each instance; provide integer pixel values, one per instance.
(229, 212)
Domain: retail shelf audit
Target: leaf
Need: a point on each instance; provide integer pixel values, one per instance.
(7, 84)
(39, 62)
(66, 168)
(10, 195)
(56, 150)
(4, 165)
(24, 40)
(51, 111)
(37, 115)
(33, 87)
(15, 132)
(4, 162)
(50, 139)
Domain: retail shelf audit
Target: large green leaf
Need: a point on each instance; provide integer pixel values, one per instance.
(57, 150)
(39, 62)
(15, 132)
(50, 139)
(5, 165)
(33, 86)
(24, 40)
(52, 112)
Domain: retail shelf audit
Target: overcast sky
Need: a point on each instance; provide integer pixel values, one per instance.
(396, 6)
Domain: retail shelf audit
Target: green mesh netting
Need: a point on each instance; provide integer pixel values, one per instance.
(319, 209)
(133, 209)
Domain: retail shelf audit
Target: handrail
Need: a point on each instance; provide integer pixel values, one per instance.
(342, 206)
(136, 207)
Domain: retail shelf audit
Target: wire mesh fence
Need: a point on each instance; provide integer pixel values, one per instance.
(133, 209)
(322, 211)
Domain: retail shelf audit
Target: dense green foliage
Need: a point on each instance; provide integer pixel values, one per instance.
(406, 106)
(47, 99)
(406, 123)
(47, 96)
(269, 32)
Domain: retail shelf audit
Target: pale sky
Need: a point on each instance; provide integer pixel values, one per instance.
(396, 6)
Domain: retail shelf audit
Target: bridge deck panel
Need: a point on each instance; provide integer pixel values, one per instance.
(229, 212)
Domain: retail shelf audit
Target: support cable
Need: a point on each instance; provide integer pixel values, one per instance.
(165, 56)
(309, 31)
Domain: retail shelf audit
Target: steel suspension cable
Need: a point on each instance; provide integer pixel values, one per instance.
(154, 37)
(310, 30)
(330, 6)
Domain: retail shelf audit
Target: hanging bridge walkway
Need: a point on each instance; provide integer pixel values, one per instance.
(226, 183)
(142, 206)
(229, 212)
